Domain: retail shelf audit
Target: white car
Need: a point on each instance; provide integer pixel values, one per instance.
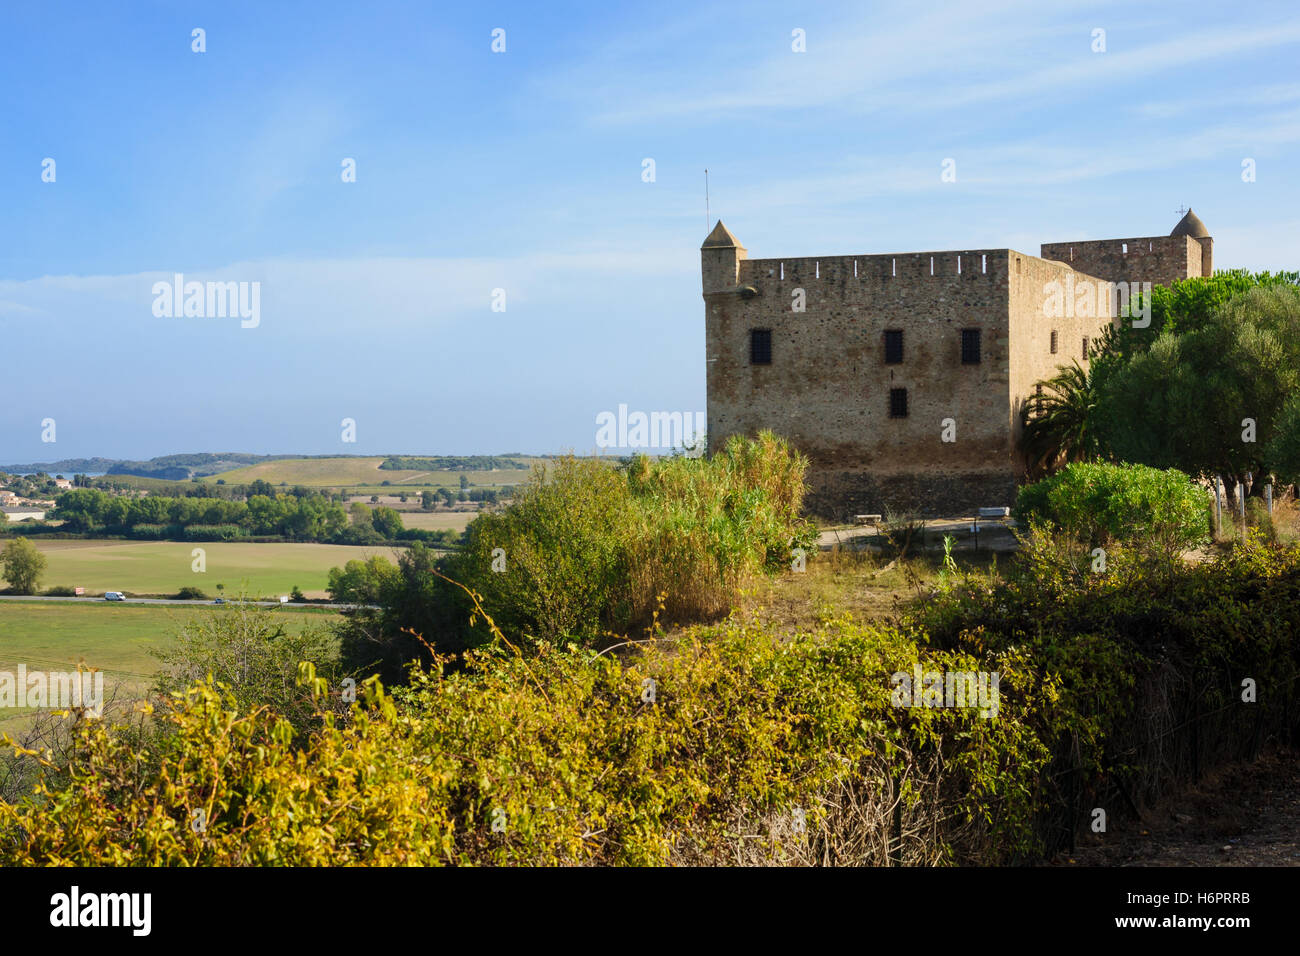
(114, 596)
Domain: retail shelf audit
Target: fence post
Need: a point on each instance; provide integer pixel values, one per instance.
(1218, 505)
(1268, 497)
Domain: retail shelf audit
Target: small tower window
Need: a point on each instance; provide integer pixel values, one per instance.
(970, 346)
(760, 346)
(893, 346)
(898, 403)
(1054, 337)
(1085, 346)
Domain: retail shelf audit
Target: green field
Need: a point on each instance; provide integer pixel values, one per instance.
(164, 567)
(437, 520)
(114, 638)
(360, 473)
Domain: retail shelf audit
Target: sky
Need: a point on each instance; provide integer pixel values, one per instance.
(504, 268)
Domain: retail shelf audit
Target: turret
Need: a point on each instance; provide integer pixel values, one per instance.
(1191, 226)
(720, 260)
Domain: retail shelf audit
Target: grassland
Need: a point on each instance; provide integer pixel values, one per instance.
(164, 567)
(438, 520)
(114, 638)
(361, 473)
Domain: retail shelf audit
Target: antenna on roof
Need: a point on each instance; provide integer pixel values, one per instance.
(707, 220)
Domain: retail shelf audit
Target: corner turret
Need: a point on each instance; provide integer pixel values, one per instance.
(720, 260)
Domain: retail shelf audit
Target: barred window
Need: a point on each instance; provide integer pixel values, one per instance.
(970, 346)
(1085, 346)
(760, 346)
(1053, 341)
(898, 403)
(893, 346)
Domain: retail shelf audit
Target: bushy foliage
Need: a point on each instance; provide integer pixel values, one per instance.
(361, 582)
(253, 656)
(703, 747)
(1059, 426)
(1208, 393)
(561, 750)
(22, 565)
(1100, 503)
(589, 549)
(1129, 639)
(303, 515)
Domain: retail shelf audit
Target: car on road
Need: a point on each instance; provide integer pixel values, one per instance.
(219, 601)
(114, 596)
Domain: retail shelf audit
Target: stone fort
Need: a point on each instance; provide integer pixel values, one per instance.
(903, 376)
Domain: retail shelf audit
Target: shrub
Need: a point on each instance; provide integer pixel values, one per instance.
(22, 565)
(191, 594)
(251, 654)
(589, 549)
(1164, 511)
(564, 752)
(60, 590)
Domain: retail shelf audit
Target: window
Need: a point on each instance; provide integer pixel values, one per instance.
(898, 403)
(893, 346)
(1085, 346)
(970, 346)
(760, 346)
(1053, 341)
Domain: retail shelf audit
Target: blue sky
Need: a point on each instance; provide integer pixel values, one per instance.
(522, 171)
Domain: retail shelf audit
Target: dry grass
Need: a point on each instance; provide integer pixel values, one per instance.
(867, 585)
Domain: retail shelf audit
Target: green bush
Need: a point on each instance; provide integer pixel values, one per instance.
(1164, 511)
(588, 549)
(191, 594)
(252, 655)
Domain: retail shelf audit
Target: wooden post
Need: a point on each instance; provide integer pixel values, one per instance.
(1241, 505)
(1268, 497)
(1218, 505)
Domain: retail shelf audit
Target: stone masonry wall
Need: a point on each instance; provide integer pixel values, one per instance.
(1035, 313)
(1159, 260)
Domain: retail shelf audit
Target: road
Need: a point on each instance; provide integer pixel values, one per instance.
(170, 601)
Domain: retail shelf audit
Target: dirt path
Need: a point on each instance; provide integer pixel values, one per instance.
(1240, 815)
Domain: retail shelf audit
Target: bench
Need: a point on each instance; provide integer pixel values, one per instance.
(996, 514)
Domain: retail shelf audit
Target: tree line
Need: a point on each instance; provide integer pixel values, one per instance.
(309, 516)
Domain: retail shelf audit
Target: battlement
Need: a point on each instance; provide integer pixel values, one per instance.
(1160, 260)
(966, 264)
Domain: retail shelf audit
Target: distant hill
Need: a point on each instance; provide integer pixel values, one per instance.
(68, 466)
(168, 467)
(295, 469)
(455, 463)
